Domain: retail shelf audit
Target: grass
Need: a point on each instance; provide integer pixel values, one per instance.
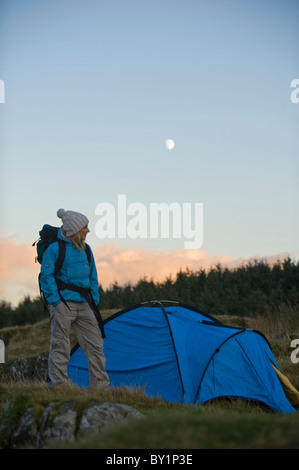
(201, 429)
(30, 340)
(218, 425)
(277, 320)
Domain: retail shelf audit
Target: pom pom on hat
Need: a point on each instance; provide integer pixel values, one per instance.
(60, 213)
(72, 222)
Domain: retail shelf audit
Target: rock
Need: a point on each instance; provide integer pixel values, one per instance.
(63, 427)
(56, 426)
(283, 335)
(5, 428)
(44, 427)
(60, 423)
(25, 433)
(20, 369)
(101, 415)
(40, 367)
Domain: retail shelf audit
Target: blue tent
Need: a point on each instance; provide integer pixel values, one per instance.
(184, 355)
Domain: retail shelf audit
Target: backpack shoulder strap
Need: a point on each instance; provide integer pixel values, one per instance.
(61, 256)
(88, 253)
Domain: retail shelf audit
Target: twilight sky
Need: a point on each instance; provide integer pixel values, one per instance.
(90, 92)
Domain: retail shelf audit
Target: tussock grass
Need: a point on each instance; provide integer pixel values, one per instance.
(30, 340)
(199, 429)
(277, 320)
(26, 341)
(32, 392)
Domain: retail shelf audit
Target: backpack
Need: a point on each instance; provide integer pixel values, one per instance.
(48, 235)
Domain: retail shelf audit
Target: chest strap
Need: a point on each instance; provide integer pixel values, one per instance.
(86, 293)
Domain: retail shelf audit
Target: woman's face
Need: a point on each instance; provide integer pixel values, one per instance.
(83, 232)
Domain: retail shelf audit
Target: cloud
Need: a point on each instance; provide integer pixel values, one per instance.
(115, 263)
(19, 272)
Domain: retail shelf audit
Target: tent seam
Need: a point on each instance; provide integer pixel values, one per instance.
(173, 344)
(216, 351)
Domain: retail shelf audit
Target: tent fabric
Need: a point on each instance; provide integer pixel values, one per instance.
(290, 391)
(184, 355)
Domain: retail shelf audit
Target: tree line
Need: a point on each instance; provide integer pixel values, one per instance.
(247, 289)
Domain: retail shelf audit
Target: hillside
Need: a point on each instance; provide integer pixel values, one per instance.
(212, 426)
(32, 339)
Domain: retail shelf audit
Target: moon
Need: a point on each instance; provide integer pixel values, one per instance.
(169, 144)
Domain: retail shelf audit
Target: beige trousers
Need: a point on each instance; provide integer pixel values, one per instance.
(82, 319)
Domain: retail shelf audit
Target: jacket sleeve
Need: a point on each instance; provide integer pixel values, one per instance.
(47, 280)
(94, 283)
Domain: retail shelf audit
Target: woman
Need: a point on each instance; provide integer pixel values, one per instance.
(70, 307)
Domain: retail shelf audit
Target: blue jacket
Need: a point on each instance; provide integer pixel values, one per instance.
(75, 270)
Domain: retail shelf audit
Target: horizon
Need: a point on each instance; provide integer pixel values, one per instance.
(128, 267)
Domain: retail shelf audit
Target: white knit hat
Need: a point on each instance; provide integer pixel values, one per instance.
(72, 221)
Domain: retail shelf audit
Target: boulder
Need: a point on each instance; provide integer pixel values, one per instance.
(100, 415)
(20, 369)
(59, 423)
(25, 433)
(40, 367)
